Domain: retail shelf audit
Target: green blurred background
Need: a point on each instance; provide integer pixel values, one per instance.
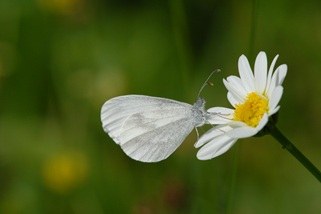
(60, 60)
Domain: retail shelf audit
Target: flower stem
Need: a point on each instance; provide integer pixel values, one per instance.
(286, 144)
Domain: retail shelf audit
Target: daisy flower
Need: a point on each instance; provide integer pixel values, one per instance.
(254, 96)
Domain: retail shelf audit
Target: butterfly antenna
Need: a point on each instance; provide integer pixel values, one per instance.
(207, 81)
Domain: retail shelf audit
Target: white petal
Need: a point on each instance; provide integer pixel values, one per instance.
(237, 84)
(262, 123)
(276, 109)
(220, 110)
(218, 119)
(271, 69)
(232, 99)
(242, 132)
(282, 74)
(247, 131)
(234, 91)
(246, 74)
(219, 115)
(211, 134)
(260, 72)
(275, 79)
(236, 124)
(275, 98)
(215, 147)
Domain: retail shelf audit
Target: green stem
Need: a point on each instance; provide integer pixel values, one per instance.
(286, 144)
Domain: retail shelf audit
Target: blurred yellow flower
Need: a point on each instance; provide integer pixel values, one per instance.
(64, 172)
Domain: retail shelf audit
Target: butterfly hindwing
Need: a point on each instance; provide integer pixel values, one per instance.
(147, 128)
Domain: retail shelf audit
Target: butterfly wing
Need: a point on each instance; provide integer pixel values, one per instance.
(148, 129)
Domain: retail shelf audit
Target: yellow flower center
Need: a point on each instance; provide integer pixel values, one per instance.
(252, 110)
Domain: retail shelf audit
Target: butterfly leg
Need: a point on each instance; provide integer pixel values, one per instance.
(197, 134)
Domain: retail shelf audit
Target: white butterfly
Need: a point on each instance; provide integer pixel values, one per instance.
(149, 129)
